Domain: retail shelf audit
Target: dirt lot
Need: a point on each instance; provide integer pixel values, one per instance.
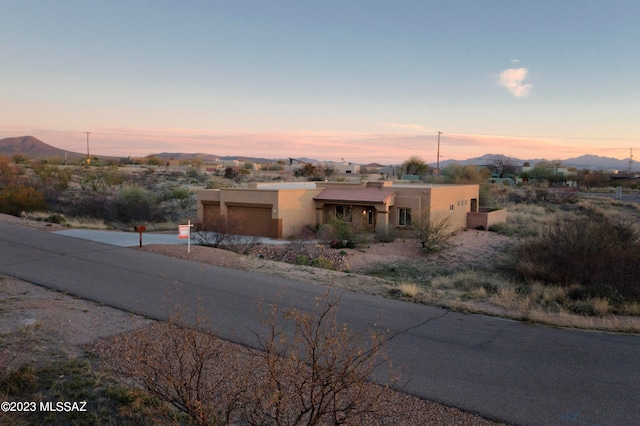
(44, 325)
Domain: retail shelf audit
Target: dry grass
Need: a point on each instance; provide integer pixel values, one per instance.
(409, 290)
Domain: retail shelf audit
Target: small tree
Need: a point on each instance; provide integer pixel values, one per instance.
(432, 232)
(502, 166)
(136, 204)
(415, 166)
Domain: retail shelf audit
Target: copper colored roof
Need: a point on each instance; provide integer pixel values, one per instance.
(367, 195)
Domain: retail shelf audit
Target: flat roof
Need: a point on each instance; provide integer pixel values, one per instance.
(366, 195)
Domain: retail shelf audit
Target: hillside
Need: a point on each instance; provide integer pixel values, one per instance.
(591, 162)
(33, 148)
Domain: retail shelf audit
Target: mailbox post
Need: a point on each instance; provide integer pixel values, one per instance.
(140, 230)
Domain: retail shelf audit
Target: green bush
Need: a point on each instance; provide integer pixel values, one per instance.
(340, 233)
(136, 204)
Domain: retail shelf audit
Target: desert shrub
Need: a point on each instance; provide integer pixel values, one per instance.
(502, 229)
(241, 244)
(340, 233)
(135, 204)
(386, 234)
(301, 238)
(312, 369)
(15, 199)
(591, 249)
(432, 232)
(87, 204)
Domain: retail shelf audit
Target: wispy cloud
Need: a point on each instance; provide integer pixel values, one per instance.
(513, 79)
(402, 126)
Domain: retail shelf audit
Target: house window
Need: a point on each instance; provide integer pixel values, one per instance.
(404, 217)
(451, 207)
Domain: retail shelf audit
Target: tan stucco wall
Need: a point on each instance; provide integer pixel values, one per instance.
(297, 209)
(453, 201)
(435, 201)
(486, 219)
(294, 208)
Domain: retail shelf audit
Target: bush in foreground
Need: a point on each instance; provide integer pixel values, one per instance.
(595, 251)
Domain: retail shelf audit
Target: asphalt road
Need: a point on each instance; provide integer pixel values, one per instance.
(520, 373)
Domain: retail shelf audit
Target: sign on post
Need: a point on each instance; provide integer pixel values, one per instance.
(184, 231)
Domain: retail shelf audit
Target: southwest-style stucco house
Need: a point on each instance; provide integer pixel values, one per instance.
(279, 210)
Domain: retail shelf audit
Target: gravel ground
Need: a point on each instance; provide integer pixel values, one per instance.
(61, 326)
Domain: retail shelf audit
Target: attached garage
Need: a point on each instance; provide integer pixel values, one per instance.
(249, 219)
(210, 215)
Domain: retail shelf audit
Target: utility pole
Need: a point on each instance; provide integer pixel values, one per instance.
(88, 157)
(438, 156)
(630, 160)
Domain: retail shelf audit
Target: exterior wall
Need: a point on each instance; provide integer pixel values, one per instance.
(485, 219)
(436, 201)
(292, 208)
(296, 209)
(454, 201)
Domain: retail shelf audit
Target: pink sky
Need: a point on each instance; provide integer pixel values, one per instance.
(385, 148)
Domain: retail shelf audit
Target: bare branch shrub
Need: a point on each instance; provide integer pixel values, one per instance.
(178, 362)
(301, 239)
(432, 232)
(216, 233)
(241, 244)
(313, 369)
(316, 369)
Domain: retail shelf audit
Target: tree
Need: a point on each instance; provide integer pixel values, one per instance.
(415, 166)
(456, 173)
(502, 166)
(543, 170)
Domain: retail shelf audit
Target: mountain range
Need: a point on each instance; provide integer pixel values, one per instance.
(34, 148)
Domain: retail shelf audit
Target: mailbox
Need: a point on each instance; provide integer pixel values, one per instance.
(140, 229)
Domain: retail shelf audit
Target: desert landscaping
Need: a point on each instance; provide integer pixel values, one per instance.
(532, 268)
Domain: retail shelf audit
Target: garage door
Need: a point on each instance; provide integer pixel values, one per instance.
(250, 220)
(211, 217)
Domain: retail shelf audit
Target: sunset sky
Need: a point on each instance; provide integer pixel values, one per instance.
(364, 81)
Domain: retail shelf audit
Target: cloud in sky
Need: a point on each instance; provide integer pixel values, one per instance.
(395, 125)
(513, 79)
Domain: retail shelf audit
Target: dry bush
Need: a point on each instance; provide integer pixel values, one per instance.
(241, 244)
(177, 363)
(215, 234)
(312, 369)
(317, 369)
(409, 289)
(589, 248)
(432, 232)
(15, 199)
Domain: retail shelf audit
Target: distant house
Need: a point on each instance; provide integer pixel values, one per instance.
(279, 210)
